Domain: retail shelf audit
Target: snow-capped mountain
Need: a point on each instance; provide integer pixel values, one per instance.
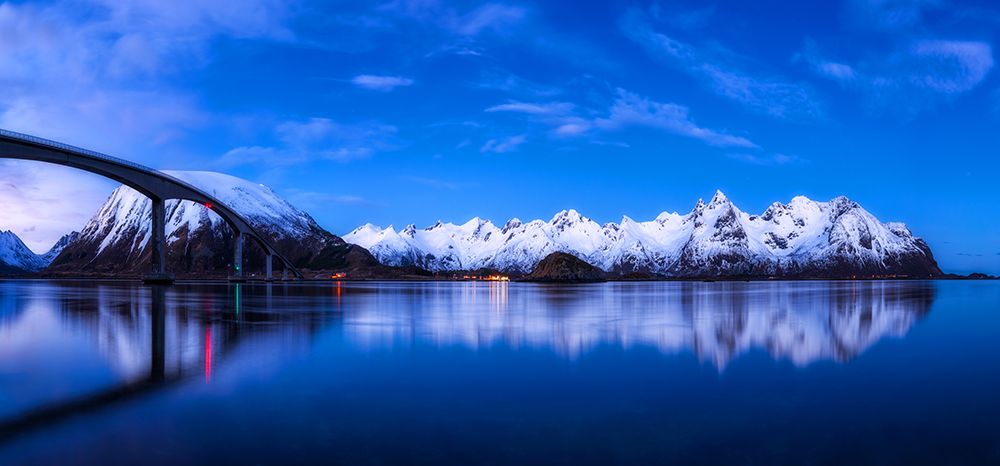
(116, 237)
(57, 248)
(802, 238)
(15, 257)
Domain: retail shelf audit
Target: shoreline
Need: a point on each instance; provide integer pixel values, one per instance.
(257, 281)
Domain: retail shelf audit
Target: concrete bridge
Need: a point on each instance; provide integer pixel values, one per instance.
(155, 185)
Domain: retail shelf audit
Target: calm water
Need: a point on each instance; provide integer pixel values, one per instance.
(478, 373)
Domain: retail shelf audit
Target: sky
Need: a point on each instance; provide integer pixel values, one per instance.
(411, 111)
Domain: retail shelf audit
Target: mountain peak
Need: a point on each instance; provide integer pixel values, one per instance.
(511, 224)
(718, 198)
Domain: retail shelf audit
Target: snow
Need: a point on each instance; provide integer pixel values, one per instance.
(125, 218)
(784, 236)
(16, 255)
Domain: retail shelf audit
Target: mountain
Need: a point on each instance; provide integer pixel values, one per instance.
(15, 257)
(115, 239)
(57, 248)
(565, 268)
(804, 238)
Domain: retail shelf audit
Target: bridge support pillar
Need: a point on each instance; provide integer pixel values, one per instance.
(238, 259)
(158, 246)
(268, 267)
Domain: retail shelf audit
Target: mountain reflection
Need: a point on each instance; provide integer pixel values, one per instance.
(195, 326)
(82, 347)
(802, 322)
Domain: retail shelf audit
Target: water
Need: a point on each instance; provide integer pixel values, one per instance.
(480, 373)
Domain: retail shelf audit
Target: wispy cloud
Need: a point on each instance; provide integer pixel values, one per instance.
(911, 78)
(489, 17)
(433, 182)
(501, 146)
(627, 110)
(765, 159)
(322, 200)
(47, 201)
(890, 15)
(724, 72)
(317, 139)
(634, 110)
(547, 108)
(380, 83)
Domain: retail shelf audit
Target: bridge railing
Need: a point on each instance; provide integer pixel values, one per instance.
(68, 148)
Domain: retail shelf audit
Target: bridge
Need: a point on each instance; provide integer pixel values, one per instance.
(154, 184)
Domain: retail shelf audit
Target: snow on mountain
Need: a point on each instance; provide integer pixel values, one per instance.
(57, 248)
(117, 236)
(801, 238)
(15, 257)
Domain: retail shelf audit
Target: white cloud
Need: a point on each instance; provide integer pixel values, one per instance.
(43, 202)
(316, 139)
(492, 17)
(380, 83)
(949, 66)
(633, 110)
(766, 160)
(724, 72)
(548, 108)
(627, 110)
(913, 77)
(890, 15)
(503, 145)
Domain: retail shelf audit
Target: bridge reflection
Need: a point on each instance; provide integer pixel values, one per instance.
(152, 337)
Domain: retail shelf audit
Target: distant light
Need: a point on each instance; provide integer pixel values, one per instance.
(208, 205)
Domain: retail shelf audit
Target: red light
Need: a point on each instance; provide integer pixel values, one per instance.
(208, 205)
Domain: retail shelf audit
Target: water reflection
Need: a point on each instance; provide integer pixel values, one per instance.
(69, 348)
(802, 322)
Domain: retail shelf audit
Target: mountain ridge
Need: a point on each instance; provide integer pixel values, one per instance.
(803, 238)
(115, 239)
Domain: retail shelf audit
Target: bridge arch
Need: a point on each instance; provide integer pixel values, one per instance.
(154, 184)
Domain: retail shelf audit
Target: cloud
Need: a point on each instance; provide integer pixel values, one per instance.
(912, 78)
(380, 83)
(724, 72)
(489, 17)
(949, 66)
(302, 141)
(319, 200)
(627, 110)
(765, 160)
(504, 145)
(42, 202)
(548, 108)
(633, 110)
(892, 15)
(100, 73)
(433, 182)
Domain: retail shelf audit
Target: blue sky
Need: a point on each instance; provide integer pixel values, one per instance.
(402, 112)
